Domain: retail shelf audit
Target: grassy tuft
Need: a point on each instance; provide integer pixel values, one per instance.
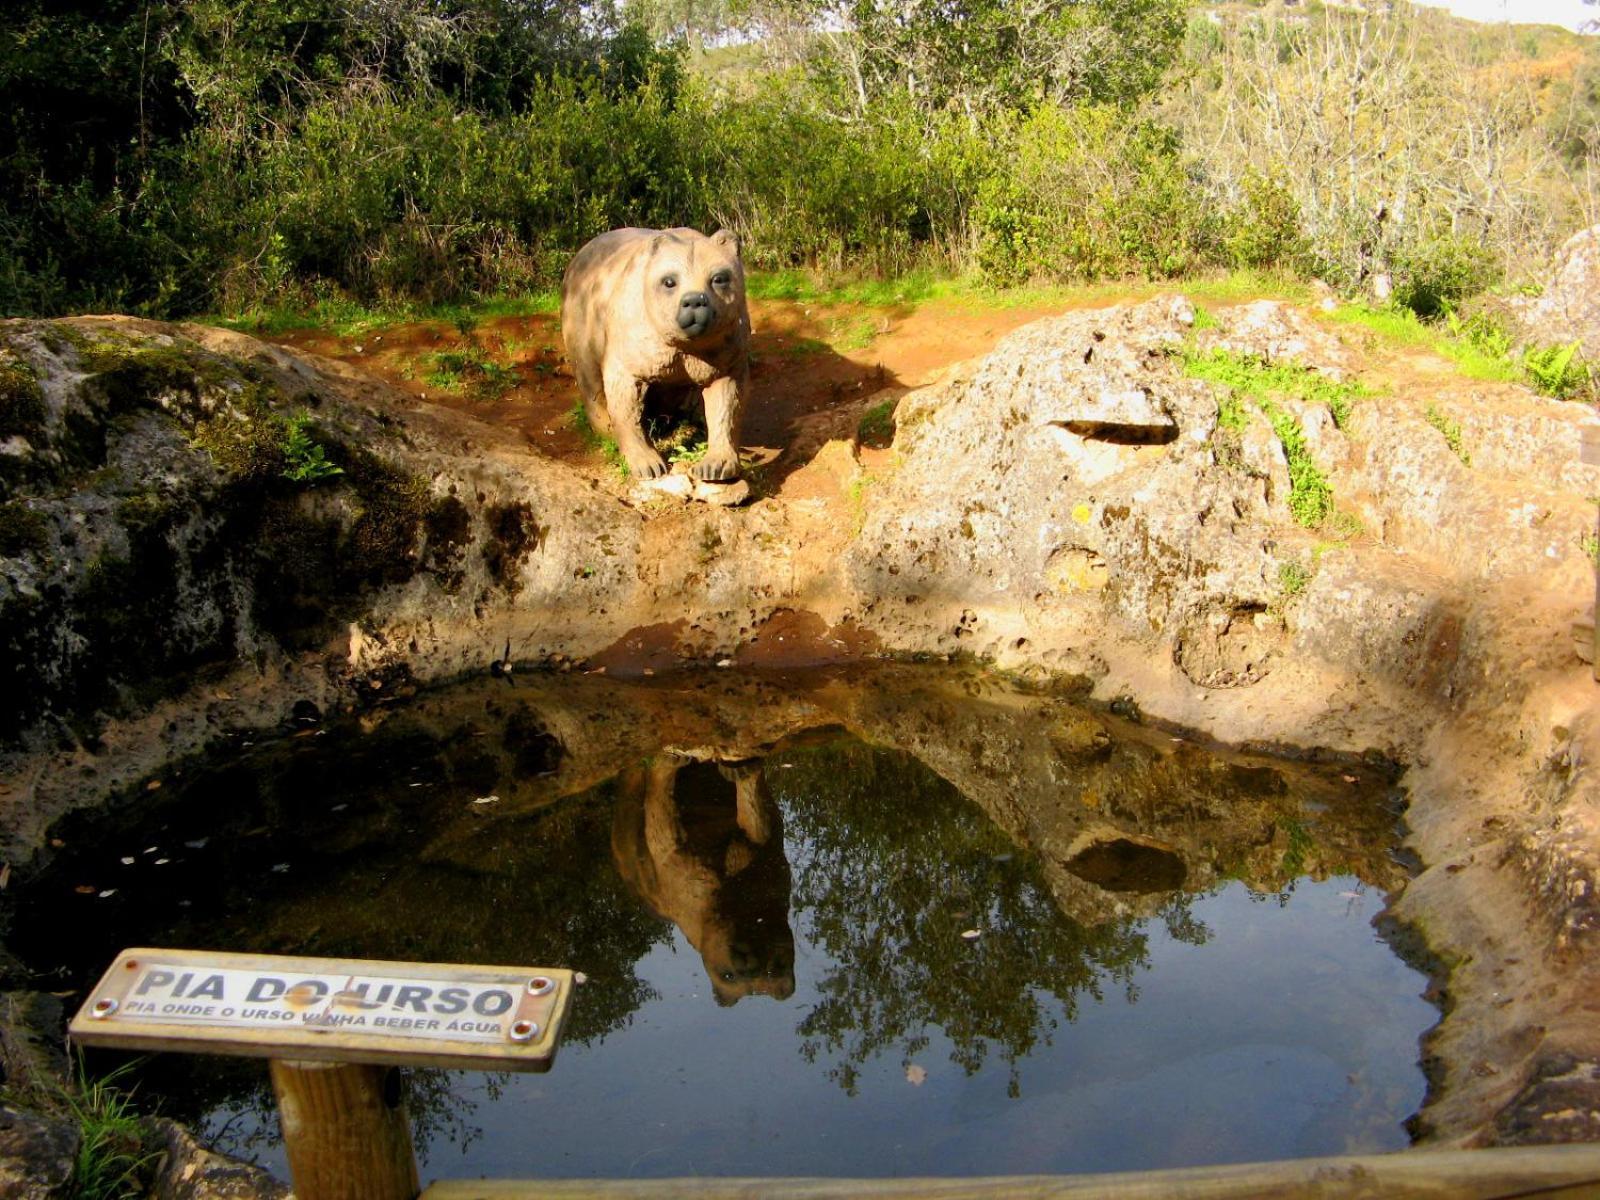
(1402, 327)
(876, 426)
(1451, 429)
(113, 1163)
(1239, 377)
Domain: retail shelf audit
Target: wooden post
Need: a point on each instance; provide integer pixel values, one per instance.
(345, 1130)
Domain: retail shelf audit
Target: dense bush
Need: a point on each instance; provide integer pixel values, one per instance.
(241, 152)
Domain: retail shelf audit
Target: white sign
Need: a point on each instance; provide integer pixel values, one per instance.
(264, 1004)
(270, 1000)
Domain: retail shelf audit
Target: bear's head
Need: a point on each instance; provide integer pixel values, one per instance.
(694, 285)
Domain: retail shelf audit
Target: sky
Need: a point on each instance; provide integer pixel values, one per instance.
(1570, 13)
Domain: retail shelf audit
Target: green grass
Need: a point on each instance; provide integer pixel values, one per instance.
(595, 440)
(1450, 429)
(1402, 327)
(112, 1160)
(917, 288)
(470, 371)
(876, 426)
(1240, 378)
(808, 287)
(346, 318)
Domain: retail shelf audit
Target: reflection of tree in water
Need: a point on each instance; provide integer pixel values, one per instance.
(891, 866)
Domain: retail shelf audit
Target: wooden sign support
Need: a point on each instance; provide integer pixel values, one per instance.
(336, 1032)
(345, 1130)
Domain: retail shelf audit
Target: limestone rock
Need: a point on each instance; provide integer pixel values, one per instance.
(188, 1171)
(1569, 308)
(32, 1064)
(679, 485)
(1275, 332)
(1074, 465)
(37, 1156)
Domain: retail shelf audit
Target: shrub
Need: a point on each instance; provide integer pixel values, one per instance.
(1432, 277)
(1090, 193)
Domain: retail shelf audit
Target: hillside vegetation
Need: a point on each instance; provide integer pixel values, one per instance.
(170, 157)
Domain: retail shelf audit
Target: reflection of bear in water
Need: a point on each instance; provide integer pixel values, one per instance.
(702, 845)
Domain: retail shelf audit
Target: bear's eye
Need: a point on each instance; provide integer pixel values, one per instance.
(722, 279)
(670, 282)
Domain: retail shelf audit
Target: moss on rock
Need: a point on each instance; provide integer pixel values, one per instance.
(22, 530)
(22, 409)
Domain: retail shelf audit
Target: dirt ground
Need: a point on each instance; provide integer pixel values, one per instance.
(815, 369)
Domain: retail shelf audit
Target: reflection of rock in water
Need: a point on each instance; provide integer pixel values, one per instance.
(1120, 864)
(1125, 818)
(702, 845)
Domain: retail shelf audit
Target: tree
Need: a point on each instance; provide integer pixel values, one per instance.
(977, 56)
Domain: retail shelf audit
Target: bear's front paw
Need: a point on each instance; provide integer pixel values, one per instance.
(717, 468)
(645, 464)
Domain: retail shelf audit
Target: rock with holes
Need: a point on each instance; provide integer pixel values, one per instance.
(1228, 645)
(1077, 470)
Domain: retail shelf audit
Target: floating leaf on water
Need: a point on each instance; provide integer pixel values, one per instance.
(1349, 895)
(281, 868)
(1350, 778)
(127, 860)
(487, 800)
(198, 843)
(108, 892)
(339, 808)
(83, 889)
(161, 862)
(916, 1076)
(579, 977)
(970, 934)
(153, 786)
(151, 849)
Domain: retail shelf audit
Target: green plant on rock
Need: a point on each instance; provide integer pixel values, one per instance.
(22, 407)
(1310, 496)
(687, 452)
(1451, 431)
(1293, 578)
(1239, 376)
(112, 1163)
(1556, 371)
(876, 426)
(306, 461)
(595, 440)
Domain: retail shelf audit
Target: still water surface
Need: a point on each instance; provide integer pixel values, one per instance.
(907, 922)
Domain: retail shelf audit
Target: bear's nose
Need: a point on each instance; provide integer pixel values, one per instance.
(694, 310)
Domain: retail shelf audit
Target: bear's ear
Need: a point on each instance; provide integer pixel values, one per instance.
(728, 238)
